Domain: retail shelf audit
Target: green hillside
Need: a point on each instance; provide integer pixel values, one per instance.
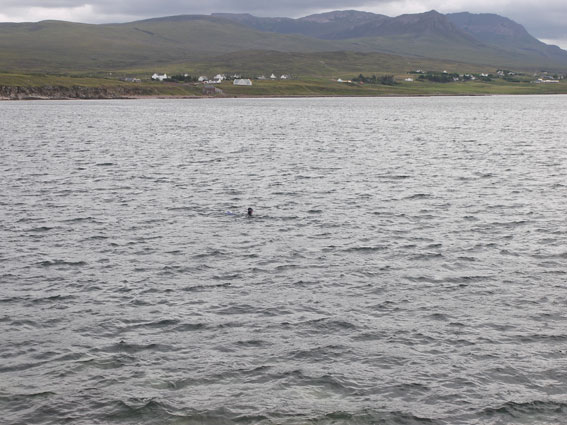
(64, 46)
(202, 43)
(190, 45)
(326, 64)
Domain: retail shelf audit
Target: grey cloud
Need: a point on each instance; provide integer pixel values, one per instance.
(147, 8)
(291, 8)
(546, 19)
(541, 20)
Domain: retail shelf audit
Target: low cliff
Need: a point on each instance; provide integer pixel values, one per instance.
(74, 92)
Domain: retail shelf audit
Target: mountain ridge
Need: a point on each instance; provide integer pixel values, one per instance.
(483, 39)
(485, 31)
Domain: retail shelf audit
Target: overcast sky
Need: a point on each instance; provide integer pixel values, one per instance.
(544, 19)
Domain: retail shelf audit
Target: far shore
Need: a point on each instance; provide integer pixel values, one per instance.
(315, 96)
(30, 87)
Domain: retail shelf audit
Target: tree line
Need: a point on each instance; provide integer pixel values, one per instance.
(387, 80)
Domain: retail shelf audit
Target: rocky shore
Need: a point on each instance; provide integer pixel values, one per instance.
(73, 92)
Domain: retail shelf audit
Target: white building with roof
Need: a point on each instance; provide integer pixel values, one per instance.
(242, 82)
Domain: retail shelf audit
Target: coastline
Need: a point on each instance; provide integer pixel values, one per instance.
(315, 96)
(316, 88)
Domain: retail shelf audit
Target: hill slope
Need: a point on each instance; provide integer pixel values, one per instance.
(482, 39)
(57, 45)
(500, 32)
(155, 43)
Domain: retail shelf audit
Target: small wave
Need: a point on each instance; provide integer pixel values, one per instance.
(371, 417)
(426, 256)
(395, 177)
(198, 288)
(41, 229)
(124, 347)
(330, 324)
(95, 238)
(164, 323)
(52, 299)
(511, 224)
(528, 409)
(470, 218)
(79, 219)
(190, 327)
(53, 263)
(366, 248)
(212, 253)
(418, 196)
(439, 316)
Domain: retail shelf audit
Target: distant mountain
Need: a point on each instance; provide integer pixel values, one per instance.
(492, 29)
(482, 38)
(503, 33)
(326, 26)
(487, 40)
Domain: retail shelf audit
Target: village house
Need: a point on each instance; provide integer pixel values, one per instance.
(242, 82)
(159, 77)
(546, 81)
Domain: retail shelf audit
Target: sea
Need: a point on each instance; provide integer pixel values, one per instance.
(406, 261)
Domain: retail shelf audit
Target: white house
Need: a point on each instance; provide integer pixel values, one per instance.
(409, 80)
(220, 77)
(202, 78)
(273, 77)
(159, 77)
(284, 77)
(242, 82)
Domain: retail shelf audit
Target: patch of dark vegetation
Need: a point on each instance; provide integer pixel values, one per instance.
(387, 80)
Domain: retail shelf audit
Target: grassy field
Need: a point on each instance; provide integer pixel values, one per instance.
(283, 88)
(322, 64)
(327, 87)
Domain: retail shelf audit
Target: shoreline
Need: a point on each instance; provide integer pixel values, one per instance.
(315, 96)
(46, 93)
(21, 87)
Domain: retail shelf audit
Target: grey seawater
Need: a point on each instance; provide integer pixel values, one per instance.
(406, 262)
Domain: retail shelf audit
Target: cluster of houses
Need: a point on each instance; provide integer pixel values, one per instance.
(219, 78)
(540, 78)
(545, 78)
